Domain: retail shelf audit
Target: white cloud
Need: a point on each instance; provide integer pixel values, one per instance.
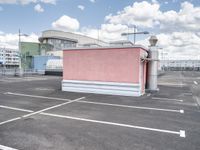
(81, 7)
(187, 19)
(179, 30)
(11, 40)
(66, 23)
(107, 32)
(38, 8)
(140, 14)
(177, 45)
(25, 2)
(145, 14)
(154, 1)
(49, 1)
(93, 1)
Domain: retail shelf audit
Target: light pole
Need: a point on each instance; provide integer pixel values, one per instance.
(20, 53)
(134, 33)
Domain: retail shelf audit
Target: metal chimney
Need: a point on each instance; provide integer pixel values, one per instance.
(152, 76)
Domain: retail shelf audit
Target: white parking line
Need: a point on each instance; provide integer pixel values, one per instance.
(167, 99)
(195, 82)
(98, 103)
(37, 112)
(49, 108)
(172, 84)
(14, 108)
(187, 94)
(10, 120)
(2, 147)
(181, 133)
(36, 96)
(136, 107)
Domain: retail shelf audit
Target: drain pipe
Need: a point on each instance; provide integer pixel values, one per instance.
(152, 74)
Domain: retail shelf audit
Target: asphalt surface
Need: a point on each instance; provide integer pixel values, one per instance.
(99, 122)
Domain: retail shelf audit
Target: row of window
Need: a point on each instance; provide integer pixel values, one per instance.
(61, 44)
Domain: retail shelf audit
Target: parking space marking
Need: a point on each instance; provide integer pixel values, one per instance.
(195, 82)
(14, 108)
(10, 120)
(49, 108)
(36, 96)
(167, 99)
(172, 84)
(40, 111)
(187, 94)
(98, 103)
(135, 107)
(2, 147)
(181, 133)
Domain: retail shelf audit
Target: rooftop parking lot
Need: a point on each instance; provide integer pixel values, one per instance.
(36, 115)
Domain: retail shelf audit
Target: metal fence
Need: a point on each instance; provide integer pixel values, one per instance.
(16, 72)
(180, 68)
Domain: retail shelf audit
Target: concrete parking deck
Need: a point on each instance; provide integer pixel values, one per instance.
(36, 115)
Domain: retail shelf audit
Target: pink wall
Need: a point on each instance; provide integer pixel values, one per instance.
(111, 65)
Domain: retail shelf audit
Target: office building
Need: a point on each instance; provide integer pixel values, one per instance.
(179, 65)
(9, 58)
(63, 40)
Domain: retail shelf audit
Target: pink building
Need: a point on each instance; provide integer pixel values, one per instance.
(105, 70)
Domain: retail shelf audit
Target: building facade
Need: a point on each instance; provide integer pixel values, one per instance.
(180, 65)
(40, 62)
(30, 49)
(63, 40)
(105, 70)
(9, 57)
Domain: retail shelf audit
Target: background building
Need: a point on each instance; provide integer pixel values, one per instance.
(29, 50)
(40, 62)
(9, 58)
(63, 40)
(176, 65)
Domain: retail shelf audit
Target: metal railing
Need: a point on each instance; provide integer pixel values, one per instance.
(15, 72)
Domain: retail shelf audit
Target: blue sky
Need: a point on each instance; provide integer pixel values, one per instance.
(175, 22)
(14, 16)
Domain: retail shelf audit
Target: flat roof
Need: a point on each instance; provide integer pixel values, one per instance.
(108, 47)
(56, 37)
(72, 33)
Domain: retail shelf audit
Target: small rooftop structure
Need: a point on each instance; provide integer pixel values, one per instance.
(117, 70)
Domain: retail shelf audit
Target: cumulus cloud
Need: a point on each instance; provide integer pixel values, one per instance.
(66, 23)
(107, 32)
(187, 19)
(177, 45)
(179, 31)
(38, 8)
(11, 40)
(146, 14)
(25, 2)
(48, 1)
(93, 1)
(140, 14)
(81, 7)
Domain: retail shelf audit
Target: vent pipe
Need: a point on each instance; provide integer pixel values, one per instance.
(152, 76)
